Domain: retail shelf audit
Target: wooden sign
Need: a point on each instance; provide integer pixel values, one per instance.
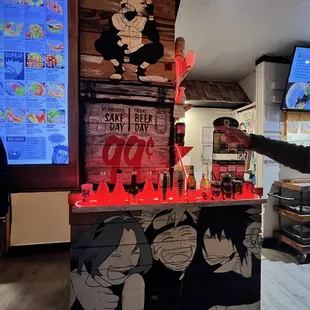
(130, 40)
(126, 137)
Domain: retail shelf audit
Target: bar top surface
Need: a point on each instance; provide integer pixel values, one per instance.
(203, 204)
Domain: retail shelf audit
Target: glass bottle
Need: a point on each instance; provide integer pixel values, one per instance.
(180, 127)
(227, 188)
(191, 185)
(103, 191)
(119, 193)
(133, 189)
(180, 185)
(205, 184)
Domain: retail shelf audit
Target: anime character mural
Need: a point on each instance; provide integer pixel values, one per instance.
(225, 273)
(108, 263)
(121, 41)
(172, 235)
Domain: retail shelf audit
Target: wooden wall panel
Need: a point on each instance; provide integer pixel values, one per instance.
(94, 17)
(127, 137)
(167, 252)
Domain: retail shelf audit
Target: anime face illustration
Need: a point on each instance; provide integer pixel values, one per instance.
(221, 248)
(114, 270)
(109, 254)
(121, 40)
(133, 5)
(60, 154)
(253, 239)
(221, 238)
(175, 247)
(173, 236)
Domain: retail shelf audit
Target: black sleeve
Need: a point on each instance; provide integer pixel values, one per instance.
(109, 33)
(291, 155)
(150, 31)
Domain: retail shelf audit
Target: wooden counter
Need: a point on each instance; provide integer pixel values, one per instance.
(167, 256)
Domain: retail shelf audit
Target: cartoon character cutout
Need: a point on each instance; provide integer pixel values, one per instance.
(60, 155)
(121, 40)
(107, 265)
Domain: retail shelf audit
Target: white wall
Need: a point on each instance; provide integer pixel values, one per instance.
(39, 218)
(195, 119)
(248, 84)
(270, 82)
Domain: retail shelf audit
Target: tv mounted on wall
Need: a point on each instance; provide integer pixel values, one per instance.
(297, 91)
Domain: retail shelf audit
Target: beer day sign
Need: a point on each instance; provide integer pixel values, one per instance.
(126, 137)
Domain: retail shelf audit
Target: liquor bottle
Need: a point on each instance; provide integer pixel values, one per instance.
(103, 188)
(227, 188)
(180, 132)
(179, 185)
(191, 185)
(205, 184)
(133, 189)
(119, 193)
(148, 189)
(164, 188)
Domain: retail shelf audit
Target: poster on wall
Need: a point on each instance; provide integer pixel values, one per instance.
(126, 137)
(128, 40)
(34, 81)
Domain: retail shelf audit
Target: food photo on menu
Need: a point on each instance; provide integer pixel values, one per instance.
(35, 31)
(15, 115)
(35, 60)
(55, 46)
(55, 61)
(56, 116)
(55, 90)
(13, 29)
(35, 89)
(54, 26)
(36, 116)
(15, 89)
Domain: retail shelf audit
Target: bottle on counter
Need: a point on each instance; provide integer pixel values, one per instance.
(227, 188)
(103, 191)
(119, 193)
(165, 187)
(179, 185)
(205, 185)
(180, 127)
(133, 189)
(148, 192)
(191, 185)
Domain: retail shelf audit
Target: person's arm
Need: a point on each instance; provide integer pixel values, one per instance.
(291, 155)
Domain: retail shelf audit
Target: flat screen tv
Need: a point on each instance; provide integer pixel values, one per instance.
(297, 92)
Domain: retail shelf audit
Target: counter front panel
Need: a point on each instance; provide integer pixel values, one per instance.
(174, 258)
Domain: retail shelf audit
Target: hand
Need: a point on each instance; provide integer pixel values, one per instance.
(235, 135)
(92, 296)
(149, 7)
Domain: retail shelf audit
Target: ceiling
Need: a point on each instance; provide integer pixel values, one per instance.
(229, 35)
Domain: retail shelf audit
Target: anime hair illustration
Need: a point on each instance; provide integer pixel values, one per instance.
(233, 225)
(58, 148)
(93, 247)
(174, 220)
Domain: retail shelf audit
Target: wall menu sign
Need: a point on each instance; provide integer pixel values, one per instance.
(126, 137)
(34, 81)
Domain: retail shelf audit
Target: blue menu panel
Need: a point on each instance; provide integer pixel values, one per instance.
(34, 81)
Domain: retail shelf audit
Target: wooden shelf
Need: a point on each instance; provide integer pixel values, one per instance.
(297, 217)
(300, 248)
(298, 185)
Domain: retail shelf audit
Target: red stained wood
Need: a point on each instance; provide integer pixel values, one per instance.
(127, 137)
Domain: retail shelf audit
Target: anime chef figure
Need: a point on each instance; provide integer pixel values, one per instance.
(121, 40)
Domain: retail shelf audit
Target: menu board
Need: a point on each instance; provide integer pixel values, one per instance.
(34, 81)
